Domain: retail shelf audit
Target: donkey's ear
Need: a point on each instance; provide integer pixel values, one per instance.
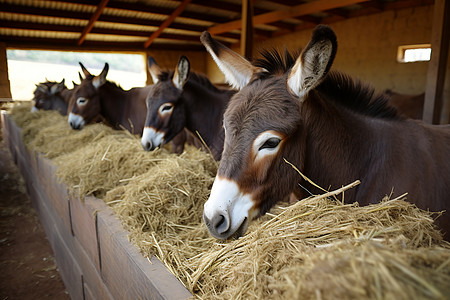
(42, 88)
(100, 80)
(56, 88)
(80, 76)
(181, 72)
(314, 62)
(153, 69)
(237, 70)
(85, 71)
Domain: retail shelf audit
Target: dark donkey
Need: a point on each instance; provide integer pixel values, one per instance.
(97, 97)
(332, 128)
(51, 95)
(409, 105)
(183, 99)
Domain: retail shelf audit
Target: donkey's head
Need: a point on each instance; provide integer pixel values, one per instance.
(47, 96)
(263, 125)
(165, 110)
(85, 106)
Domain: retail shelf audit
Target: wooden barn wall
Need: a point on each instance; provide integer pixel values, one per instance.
(367, 49)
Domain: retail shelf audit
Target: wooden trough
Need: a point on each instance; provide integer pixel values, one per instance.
(92, 251)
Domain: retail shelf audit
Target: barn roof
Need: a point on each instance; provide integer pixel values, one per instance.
(140, 25)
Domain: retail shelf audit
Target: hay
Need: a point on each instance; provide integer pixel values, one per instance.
(297, 252)
(318, 248)
(105, 163)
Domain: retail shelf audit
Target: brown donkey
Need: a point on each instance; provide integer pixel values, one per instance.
(51, 95)
(183, 99)
(97, 97)
(331, 127)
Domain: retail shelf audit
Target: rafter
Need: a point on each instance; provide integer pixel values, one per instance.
(292, 12)
(92, 21)
(167, 22)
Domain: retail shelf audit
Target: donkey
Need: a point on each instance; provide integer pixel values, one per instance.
(51, 95)
(409, 105)
(331, 127)
(183, 99)
(97, 97)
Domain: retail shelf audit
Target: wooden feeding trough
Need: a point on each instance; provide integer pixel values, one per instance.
(94, 256)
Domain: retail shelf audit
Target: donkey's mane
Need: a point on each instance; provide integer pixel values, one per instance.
(197, 77)
(108, 82)
(113, 84)
(275, 62)
(338, 87)
(357, 96)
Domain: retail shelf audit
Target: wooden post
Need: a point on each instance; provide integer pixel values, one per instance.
(247, 29)
(147, 72)
(5, 88)
(440, 36)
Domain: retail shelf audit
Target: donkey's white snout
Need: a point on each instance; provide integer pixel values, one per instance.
(75, 121)
(226, 213)
(151, 139)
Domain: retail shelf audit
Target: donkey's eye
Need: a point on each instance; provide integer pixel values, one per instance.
(165, 108)
(82, 101)
(270, 143)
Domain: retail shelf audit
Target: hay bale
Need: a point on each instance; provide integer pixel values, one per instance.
(318, 248)
(59, 138)
(108, 161)
(165, 203)
(327, 250)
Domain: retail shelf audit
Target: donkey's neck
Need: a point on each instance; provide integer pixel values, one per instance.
(204, 110)
(113, 104)
(342, 145)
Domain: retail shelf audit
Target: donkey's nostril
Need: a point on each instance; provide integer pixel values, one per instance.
(147, 146)
(221, 223)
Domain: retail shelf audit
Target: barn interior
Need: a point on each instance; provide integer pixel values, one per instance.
(372, 35)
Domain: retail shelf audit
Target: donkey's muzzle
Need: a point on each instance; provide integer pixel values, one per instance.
(75, 121)
(75, 126)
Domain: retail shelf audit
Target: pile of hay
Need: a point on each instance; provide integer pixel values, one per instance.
(318, 248)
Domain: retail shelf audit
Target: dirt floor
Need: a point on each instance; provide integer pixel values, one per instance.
(28, 267)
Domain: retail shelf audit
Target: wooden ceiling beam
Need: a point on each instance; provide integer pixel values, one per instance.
(49, 12)
(237, 9)
(92, 21)
(32, 43)
(73, 29)
(167, 22)
(292, 12)
(143, 7)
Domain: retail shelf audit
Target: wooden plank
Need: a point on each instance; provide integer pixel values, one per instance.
(437, 66)
(167, 22)
(36, 43)
(63, 240)
(84, 225)
(292, 12)
(247, 29)
(120, 271)
(92, 21)
(127, 274)
(68, 267)
(57, 198)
